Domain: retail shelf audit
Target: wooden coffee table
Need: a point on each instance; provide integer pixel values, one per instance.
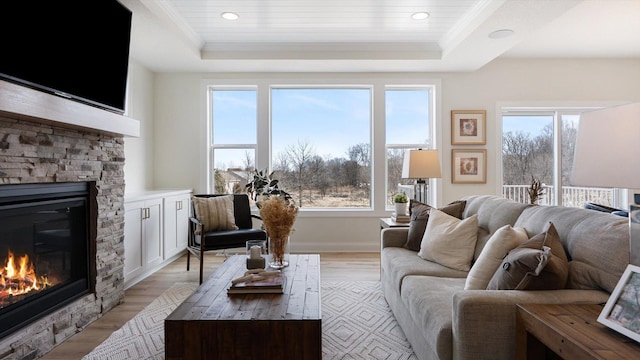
(213, 325)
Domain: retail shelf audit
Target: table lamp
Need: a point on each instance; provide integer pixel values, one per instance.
(605, 156)
(421, 165)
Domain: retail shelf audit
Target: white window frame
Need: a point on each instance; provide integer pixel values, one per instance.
(371, 125)
(263, 156)
(619, 198)
(432, 137)
(211, 146)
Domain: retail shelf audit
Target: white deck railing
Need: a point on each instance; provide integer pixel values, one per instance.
(572, 196)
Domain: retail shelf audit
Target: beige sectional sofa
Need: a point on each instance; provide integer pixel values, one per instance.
(441, 320)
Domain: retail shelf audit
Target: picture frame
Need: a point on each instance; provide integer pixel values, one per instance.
(469, 166)
(623, 301)
(468, 127)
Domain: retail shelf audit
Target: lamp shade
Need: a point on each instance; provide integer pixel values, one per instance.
(605, 154)
(421, 164)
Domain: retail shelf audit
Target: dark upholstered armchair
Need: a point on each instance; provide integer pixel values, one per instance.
(201, 241)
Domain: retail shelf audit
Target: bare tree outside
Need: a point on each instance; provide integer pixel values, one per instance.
(526, 155)
(528, 158)
(299, 156)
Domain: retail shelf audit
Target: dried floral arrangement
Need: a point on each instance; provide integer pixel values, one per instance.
(278, 216)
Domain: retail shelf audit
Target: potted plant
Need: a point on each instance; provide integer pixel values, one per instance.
(400, 201)
(264, 185)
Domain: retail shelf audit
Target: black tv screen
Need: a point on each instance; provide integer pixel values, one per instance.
(75, 49)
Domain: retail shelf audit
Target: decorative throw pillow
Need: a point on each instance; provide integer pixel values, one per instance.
(215, 213)
(499, 244)
(540, 263)
(449, 241)
(420, 216)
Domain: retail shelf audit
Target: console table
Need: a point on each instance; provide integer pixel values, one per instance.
(568, 332)
(213, 325)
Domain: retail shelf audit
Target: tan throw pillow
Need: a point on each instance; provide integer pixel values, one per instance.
(499, 244)
(215, 213)
(420, 217)
(540, 263)
(449, 241)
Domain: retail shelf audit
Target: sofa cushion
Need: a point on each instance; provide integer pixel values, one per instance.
(493, 212)
(400, 262)
(538, 264)
(586, 277)
(397, 263)
(215, 213)
(599, 241)
(501, 242)
(449, 241)
(429, 300)
(420, 216)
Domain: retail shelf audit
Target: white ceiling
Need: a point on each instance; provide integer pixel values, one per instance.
(374, 35)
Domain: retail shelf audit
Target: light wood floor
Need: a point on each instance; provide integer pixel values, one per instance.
(333, 267)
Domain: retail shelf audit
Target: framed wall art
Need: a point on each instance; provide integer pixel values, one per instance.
(620, 312)
(468, 127)
(469, 166)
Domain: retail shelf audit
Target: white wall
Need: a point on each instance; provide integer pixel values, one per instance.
(138, 152)
(180, 149)
(536, 82)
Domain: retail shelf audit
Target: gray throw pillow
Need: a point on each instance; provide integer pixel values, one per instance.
(538, 264)
(419, 217)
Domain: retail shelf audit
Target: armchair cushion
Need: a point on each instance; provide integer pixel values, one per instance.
(215, 213)
(225, 239)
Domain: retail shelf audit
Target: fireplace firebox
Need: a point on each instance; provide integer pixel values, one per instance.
(44, 250)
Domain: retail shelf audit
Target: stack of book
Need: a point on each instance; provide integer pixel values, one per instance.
(271, 284)
(400, 218)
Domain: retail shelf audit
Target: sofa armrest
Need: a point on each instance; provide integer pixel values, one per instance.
(486, 319)
(395, 237)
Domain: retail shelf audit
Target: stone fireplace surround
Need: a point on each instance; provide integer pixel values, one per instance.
(34, 150)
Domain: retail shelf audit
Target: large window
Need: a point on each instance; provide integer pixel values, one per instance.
(408, 114)
(321, 145)
(539, 145)
(338, 146)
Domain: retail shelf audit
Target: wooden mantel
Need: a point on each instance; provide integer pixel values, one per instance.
(28, 104)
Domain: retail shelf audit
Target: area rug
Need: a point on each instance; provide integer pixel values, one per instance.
(356, 324)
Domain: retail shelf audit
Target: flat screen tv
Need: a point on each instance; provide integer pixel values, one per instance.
(75, 49)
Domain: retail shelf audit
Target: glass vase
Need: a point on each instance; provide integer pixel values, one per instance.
(279, 252)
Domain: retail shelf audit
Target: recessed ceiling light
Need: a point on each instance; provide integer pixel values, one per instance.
(230, 16)
(500, 34)
(420, 15)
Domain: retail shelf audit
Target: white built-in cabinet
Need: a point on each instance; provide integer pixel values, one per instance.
(156, 225)
(176, 224)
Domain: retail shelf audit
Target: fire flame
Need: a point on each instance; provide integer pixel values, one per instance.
(21, 279)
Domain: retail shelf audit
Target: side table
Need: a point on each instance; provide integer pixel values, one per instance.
(389, 223)
(568, 331)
